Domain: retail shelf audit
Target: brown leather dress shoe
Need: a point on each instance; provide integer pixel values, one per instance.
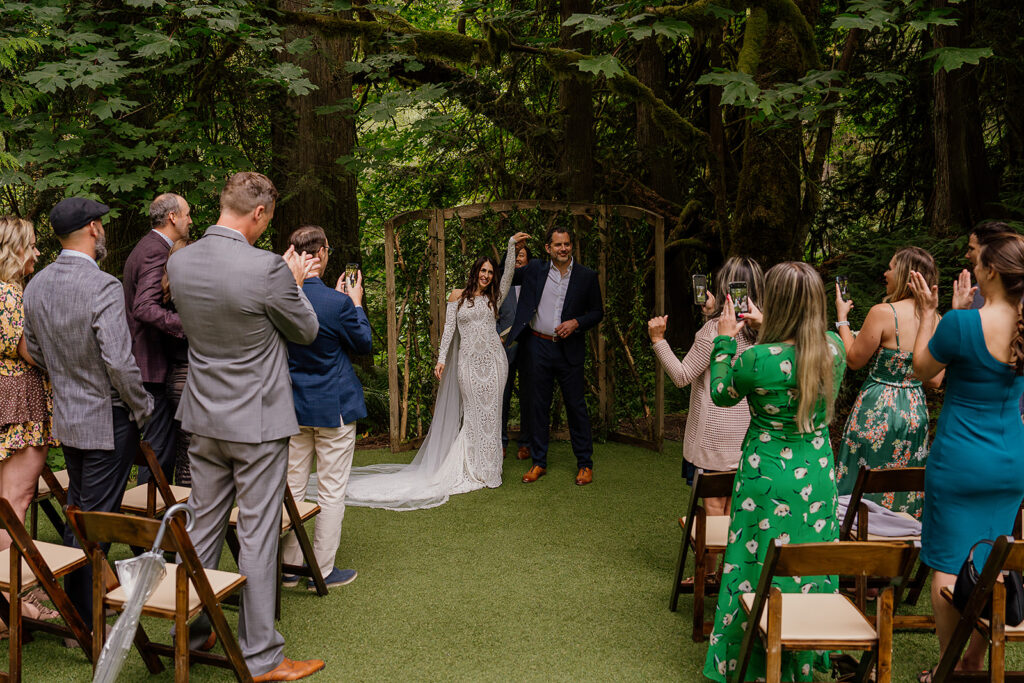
(523, 453)
(291, 670)
(584, 476)
(208, 643)
(535, 473)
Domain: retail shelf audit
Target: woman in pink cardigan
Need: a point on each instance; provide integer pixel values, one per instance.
(713, 435)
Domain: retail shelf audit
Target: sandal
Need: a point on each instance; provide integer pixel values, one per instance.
(926, 676)
(34, 600)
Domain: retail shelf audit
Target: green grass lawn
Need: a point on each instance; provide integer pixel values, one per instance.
(547, 581)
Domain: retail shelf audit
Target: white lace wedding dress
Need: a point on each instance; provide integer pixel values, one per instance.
(462, 451)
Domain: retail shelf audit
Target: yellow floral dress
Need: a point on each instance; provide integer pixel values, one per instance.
(26, 401)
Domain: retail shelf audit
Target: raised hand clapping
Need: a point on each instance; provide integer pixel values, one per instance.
(963, 292)
(926, 298)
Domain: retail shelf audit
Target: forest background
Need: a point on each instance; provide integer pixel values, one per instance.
(833, 132)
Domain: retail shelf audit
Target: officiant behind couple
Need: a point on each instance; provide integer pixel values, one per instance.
(558, 301)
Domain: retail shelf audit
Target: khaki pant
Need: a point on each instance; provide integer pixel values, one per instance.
(333, 448)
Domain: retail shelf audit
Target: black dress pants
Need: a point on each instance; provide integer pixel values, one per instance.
(97, 479)
(548, 364)
(161, 432)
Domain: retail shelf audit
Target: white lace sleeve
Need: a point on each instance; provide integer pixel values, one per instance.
(449, 330)
(510, 270)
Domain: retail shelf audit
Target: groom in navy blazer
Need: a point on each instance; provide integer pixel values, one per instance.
(558, 302)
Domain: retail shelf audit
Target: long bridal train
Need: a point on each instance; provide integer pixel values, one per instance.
(462, 451)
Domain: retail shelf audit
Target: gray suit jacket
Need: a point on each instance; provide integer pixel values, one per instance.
(75, 327)
(239, 306)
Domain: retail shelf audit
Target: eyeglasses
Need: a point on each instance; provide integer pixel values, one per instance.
(330, 250)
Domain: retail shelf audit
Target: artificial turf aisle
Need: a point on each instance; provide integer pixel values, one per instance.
(547, 581)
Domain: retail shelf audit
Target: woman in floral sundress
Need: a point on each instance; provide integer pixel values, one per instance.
(785, 485)
(888, 426)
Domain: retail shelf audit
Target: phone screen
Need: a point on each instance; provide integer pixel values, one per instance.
(700, 289)
(740, 303)
(842, 282)
(351, 270)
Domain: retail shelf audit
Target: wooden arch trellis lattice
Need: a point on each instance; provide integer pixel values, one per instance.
(598, 215)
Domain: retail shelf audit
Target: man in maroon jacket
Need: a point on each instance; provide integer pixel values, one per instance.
(149, 321)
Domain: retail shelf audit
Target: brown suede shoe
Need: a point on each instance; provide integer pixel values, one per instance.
(523, 453)
(535, 473)
(208, 643)
(291, 670)
(584, 476)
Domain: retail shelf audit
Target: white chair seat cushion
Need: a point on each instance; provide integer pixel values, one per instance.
(63, 478)
(306, 510)
(57, 557)
(135, 498)
(163, 598)
(817, 616)
(717, 530)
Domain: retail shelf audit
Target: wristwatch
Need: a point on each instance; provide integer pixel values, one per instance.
(840, 323)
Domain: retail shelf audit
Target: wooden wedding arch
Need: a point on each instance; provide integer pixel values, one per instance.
(599, 215)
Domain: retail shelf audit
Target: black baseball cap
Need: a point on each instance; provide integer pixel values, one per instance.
(74, 213)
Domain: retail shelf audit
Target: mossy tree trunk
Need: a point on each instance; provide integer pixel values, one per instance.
(963, 183)
(314, 188)
(767, 220)
(577, 104)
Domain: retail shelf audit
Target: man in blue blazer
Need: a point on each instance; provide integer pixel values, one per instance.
(328, 401)
(558, 302)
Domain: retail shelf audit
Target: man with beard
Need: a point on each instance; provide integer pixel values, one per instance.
(75, 328)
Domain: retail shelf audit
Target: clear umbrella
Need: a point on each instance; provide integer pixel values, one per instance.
(139, 577)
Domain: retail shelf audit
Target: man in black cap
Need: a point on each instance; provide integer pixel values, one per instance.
(75, 328)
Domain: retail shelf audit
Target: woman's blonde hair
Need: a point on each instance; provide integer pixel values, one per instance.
(794, 308)
(16, 236)
(906, 260)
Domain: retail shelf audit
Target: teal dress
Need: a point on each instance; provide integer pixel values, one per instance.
(785, 489)
(974, 479)
(888, 427)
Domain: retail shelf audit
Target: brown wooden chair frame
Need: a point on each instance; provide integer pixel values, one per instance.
(889, 480)
(156, 484)
(894, 560)
(1006, 555)
(23, 547)
(45, 499)
(694, 525)
(297, 524)
(94, 528)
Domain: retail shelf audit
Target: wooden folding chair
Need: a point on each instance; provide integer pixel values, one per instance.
(186, 590)
(707, 535)
(52, 486)
(156, 495)
(29, 563)
(294, 515)
(824, 621)
(891, 480)
(1006, 555)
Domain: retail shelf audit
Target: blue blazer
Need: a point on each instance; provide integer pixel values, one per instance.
(324, 383)
(582, 302)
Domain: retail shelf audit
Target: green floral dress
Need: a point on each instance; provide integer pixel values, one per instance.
(785, 488)
(888, 427)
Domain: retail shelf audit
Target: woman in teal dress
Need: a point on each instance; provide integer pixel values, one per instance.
(974, 480)
(888, 426)
(785, 485)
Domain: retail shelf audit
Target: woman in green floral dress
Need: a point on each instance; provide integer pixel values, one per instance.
(785, 485)
(888, 426)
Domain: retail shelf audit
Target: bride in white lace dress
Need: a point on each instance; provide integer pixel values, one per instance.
(462, 451)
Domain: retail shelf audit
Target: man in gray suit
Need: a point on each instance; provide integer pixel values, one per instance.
(75, 328)
(239, 305)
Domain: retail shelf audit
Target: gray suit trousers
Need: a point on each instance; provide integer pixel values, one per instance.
(254, 475)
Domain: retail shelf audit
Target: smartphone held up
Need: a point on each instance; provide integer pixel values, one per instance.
(738, 294)
(351, 273)
(843, 283)
(700, 289)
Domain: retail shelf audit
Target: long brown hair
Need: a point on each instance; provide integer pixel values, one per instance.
(1005, 255)
(794, 308)
(491, 292)
(906, 260)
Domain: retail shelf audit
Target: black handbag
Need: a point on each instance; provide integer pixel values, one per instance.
(967, 579)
